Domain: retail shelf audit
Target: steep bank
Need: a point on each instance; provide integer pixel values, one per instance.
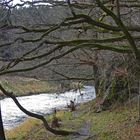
(115, 124)
(26, 86)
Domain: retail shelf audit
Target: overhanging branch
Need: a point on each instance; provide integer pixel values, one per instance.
(122, 49)
(37, 116)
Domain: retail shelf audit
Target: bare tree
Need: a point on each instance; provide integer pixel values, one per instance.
(79, 28)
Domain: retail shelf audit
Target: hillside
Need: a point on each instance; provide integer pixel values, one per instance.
(54, 46)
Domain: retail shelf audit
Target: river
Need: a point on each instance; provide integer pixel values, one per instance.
(41, 104)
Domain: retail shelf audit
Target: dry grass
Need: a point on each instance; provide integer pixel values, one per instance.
(24, 86)
(116, 124)
(21, 131)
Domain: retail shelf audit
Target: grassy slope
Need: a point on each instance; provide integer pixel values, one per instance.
(23, 86)
(118, 124)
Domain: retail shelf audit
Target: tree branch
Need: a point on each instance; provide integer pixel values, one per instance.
(124, 29)
(122, 49)
(37, 116)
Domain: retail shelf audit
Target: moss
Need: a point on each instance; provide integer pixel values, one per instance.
(119, 90)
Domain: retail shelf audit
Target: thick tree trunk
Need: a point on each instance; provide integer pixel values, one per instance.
(2, 135)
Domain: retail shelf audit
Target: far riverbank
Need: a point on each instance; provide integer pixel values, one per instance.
(24, 86)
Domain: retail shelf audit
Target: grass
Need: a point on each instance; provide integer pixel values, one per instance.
(21, 131)
(25, 86)
(115, 124)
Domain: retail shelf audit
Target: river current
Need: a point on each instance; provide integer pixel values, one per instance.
(41, 104)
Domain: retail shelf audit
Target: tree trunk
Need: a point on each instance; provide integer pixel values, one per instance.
(139, 101)
(2, 135)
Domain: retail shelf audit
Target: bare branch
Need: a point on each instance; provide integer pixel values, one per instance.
(37, 116)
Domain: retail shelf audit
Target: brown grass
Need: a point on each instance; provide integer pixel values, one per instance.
(24, 86)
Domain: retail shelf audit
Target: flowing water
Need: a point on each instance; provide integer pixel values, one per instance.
(41, 104)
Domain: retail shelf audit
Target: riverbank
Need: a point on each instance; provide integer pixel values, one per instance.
(115, 124)
(22, 86)
(42, 104)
